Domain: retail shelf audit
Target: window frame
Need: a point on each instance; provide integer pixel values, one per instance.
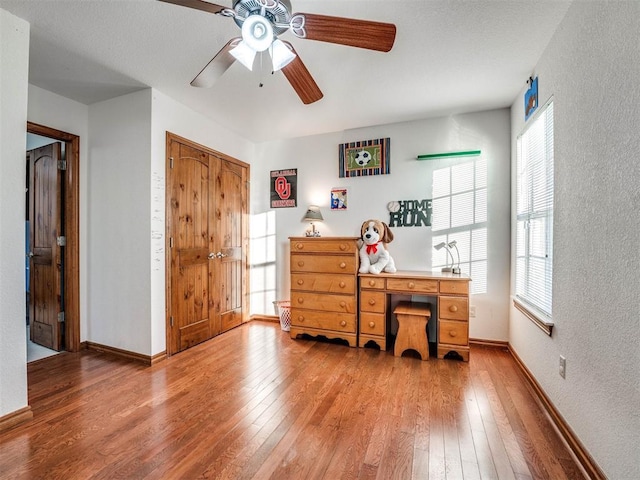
(533, 299)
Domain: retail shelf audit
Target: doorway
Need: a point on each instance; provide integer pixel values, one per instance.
(207, 243)
(68, 262)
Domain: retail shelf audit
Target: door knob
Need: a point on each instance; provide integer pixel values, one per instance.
(221, 255)
(212, 256)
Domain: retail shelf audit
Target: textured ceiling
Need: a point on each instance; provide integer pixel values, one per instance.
(449, 57)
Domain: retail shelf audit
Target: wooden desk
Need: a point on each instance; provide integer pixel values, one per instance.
(451, 291)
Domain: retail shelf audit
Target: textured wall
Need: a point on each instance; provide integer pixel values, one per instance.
(591, 68)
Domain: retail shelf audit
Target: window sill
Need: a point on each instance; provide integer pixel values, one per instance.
(544, 325)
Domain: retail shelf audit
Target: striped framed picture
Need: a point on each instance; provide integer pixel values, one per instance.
(363, 159)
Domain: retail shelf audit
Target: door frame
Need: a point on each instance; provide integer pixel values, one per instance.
(245, 277)
(71, 208)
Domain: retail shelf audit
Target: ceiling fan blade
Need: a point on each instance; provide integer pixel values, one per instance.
(347, 31)
(217, 66)
(301, 80)
(198, 5)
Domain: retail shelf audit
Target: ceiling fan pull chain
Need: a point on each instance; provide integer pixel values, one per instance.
(297, 26)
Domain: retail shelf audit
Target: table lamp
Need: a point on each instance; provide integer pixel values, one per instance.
(313, 215)
(444, 245)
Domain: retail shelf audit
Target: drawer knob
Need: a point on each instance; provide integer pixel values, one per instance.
(452, 333)
(372, 283)
(372, 301)
(343, 265)
(300, 300)
(343, 304)
(343, 247)
(372, 324)
(343, 323)
(412, 285)
(299, 246)
(300, 263)
(453, 308)
(341, 284)
(301, 318)
(300, 282)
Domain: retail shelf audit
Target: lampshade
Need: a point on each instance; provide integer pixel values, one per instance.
(281, 55)
(257, 32)
(244, 54)
(445, 245)
(313, 215)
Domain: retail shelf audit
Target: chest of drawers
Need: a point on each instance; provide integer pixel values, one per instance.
(324, 289)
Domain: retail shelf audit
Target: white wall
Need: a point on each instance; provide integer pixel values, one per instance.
(51, 110)
(591, 68)
(14, 70)
(316, 158)
(118, 192)
(171, 116)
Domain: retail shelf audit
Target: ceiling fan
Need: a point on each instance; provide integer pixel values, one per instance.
(263, 21)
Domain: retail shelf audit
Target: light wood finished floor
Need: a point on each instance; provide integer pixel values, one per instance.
(252, 403)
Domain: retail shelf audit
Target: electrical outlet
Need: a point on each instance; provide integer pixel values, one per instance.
(563, 366)
(472, 311)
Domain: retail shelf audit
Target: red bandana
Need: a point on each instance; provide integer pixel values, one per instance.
(373, 248)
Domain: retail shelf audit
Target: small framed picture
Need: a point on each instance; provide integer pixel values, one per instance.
(338, 198)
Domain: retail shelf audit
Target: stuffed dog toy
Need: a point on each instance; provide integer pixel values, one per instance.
(374, 257)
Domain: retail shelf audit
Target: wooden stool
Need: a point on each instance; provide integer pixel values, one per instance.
(412, 324)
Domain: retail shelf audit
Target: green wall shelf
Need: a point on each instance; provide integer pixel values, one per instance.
(433, 156)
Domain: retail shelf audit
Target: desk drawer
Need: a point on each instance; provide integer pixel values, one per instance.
(375, 283)
(341, 322)
(313, 282)
(453, 333)
(372, 323)
(417, 285)
(325, 302)
(323, 263)
(455, 287)
(454, 308)
(373, 302)
(323, 246)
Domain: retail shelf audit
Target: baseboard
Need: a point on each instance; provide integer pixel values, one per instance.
(16, 418)
(265, 318)
(585, 460)
(146, 359)
(489, 343)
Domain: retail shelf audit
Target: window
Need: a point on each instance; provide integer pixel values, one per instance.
(534, 210)
(263, 262)
(460, 214)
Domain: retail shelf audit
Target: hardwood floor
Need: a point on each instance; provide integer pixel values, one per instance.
(252, 403)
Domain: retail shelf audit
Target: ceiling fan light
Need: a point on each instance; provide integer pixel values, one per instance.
(281, 55)
(244, 54)
(257, 32)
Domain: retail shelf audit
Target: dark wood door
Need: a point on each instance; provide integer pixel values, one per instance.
(207, 231)
(45, 221)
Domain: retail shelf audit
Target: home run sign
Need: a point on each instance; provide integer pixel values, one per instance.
(410, 213)
(284, 188)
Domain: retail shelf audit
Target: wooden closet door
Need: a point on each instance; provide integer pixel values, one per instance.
(231, 240)
(207, 225)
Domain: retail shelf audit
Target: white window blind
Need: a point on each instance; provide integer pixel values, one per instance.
(534, 204)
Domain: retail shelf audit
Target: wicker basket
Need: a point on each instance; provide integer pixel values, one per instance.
(284, 312)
